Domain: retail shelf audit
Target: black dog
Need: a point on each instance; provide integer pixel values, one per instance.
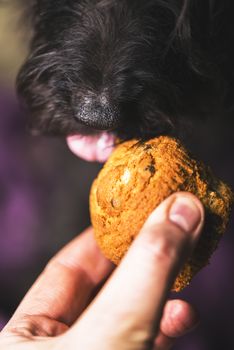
(136, 67)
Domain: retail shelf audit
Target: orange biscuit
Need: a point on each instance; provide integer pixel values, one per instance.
(136, 179)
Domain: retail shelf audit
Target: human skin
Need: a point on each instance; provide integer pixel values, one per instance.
(63, 309)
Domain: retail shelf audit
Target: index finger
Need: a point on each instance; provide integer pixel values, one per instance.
(63, 289)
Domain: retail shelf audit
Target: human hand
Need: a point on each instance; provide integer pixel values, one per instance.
(130, 312)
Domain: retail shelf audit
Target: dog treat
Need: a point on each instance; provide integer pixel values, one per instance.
(136, 179)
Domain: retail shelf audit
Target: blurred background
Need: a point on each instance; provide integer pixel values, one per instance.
(44, 193)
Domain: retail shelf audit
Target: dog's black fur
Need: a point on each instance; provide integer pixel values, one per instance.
(137, 67)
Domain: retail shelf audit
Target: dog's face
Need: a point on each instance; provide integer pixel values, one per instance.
(110, 65)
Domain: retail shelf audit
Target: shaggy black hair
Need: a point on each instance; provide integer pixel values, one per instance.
(132, 66)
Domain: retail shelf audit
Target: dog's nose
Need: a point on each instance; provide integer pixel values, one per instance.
(98, 113)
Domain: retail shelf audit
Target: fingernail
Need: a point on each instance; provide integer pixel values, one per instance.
(185, 213)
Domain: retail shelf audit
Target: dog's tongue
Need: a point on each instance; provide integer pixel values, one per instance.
(92, 148)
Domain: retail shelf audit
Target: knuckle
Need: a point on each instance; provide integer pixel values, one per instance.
(164, 248)
(164, 243)
(23, 326)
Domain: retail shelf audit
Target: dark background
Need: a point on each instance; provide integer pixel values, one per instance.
(44, 193)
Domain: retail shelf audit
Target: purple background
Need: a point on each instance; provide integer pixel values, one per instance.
(44, 203)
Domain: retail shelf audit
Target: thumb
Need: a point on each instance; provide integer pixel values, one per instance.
(128, 310)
